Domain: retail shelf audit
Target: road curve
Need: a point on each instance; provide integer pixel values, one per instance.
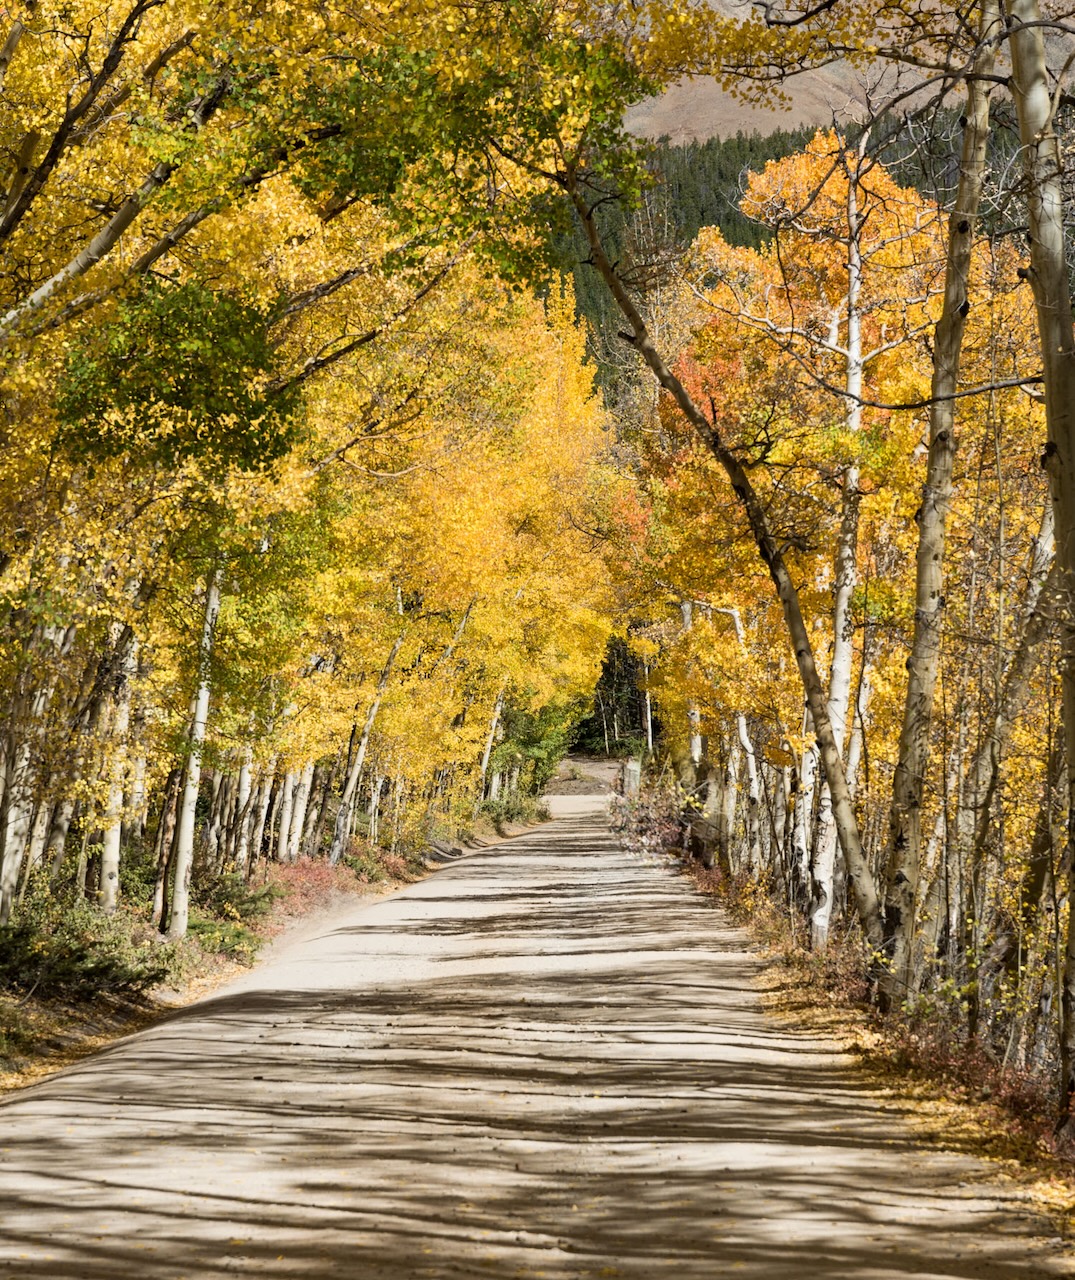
(547, 1059)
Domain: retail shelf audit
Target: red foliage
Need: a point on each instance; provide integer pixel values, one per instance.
(309, 885)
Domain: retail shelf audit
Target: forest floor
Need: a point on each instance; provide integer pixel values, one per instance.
(550, 1058)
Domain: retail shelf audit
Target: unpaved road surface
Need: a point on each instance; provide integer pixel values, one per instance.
(548, 1059)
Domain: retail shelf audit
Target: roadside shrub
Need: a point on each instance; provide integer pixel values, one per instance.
(367, 866)
(232, 898)
(229, 938)
(373, 865)
(651, 822)
(16, 1033)
(72, 949)
(515, 808)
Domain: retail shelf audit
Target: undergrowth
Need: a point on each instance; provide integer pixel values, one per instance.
(73, 949)
(515, 808)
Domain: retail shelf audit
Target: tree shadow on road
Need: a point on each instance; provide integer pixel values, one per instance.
(608, 1102)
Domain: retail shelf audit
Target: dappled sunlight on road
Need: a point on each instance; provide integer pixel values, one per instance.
(548, 1059)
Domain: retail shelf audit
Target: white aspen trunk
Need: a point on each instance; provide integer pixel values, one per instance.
(257, 836)
(604, 724)
(244, 814)
(754, 794)
(708, 826)
(137, 800)
(729, 803)
(57, 837)
(490, 739)
(179, 913)
(298, 816)
(320, 789)
(347, 799)
(804, 811)
(287, 804)
(649, 712)
(164, 842)
(20, 782)
(858, 732)
(35, 849)
(397, 811)
(9, 47)
(218, 803)
(841, 668)
(934, 910)
(317, 810)
(905, 818)
(83, 862)
(826, 846)
(375, 807)
(136, 804)
(39, 834)
(695, 746)
(108, 894)
(753, 820)
(229, 823)
(20, 814)
(822, 874)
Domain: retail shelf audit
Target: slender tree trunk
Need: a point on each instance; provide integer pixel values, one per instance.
(113, 821)
(35, 848)
(298, 813)
(375, 806)
(179, 914)
(62, 817)
(695, 745)
(16, 832)
(243, 802)
(490, 739)
(314, 844)
(754, 802)
(728, 804)
(213, 834)
(287, 806)
(257, 837)
(905, 818)
(164, 841)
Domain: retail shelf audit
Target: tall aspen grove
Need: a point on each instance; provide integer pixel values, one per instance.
(375, 417)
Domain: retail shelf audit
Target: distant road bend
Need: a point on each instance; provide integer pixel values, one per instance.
(548, 1059)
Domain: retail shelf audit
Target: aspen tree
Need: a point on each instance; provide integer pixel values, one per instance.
(1035, 106)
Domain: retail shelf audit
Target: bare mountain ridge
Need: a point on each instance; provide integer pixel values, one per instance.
(698, 108)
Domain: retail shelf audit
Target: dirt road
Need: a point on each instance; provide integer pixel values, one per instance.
(548, 1059)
